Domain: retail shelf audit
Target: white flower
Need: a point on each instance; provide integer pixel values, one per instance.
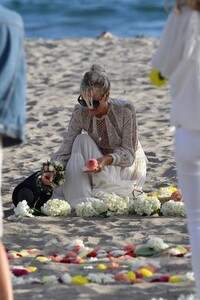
(189, 276)
(173, 208)
(165, 192)
(85, 210)
(75, 243)
(66, 278)
(188, 297)
(56, 207)
(100, 278)
(99, 206)
(51, 168)
(156, 243)
(146, 205)
(142, 262)
(23, 210)
(117, 253)
(50, 279)
(102, 253)
(23, 279)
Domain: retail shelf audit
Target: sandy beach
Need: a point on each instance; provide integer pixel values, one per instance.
(54, 72)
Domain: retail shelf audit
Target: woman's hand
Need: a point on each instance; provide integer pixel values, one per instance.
(48, 178)
(96, 165)
(104, 161)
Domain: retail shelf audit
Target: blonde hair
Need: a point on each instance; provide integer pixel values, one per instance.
(193, 4)
(94, 79)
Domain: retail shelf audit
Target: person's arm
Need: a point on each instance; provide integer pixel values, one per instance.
(169, 51)
(124, 155)
(6, 291)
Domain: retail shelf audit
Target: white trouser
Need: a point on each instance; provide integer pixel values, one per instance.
(80, 186)
(187, 152)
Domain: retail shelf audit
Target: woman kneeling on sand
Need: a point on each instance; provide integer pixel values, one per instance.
(100, 152)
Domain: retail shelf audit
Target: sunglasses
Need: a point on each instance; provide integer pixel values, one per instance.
(95, 103)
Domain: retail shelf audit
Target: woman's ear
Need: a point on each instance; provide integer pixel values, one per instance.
(107, 95)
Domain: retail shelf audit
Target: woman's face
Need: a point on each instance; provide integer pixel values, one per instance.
(103, 104)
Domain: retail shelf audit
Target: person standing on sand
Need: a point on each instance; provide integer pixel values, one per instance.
(178, 59)
(12, 110)
(105, 130)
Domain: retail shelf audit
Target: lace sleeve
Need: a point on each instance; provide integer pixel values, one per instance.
(62, 155)
(124, 156)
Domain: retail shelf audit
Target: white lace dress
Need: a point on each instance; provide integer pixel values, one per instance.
(90, 137)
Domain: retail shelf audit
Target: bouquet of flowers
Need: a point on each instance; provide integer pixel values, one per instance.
(59, 176)
(173, 208)
(112, 206)
(147, 205)
(56, 207)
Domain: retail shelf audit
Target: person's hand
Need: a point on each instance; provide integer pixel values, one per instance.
(48, 178)
(104, 161)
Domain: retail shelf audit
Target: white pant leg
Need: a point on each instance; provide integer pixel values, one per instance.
(187, 151)
(78, 184)
(137, 172)
(1, 208)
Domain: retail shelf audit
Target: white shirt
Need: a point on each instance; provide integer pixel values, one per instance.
(178, 59)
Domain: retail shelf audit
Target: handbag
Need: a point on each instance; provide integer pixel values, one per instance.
(30, 190)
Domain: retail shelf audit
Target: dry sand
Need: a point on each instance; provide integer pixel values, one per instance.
(55, 68)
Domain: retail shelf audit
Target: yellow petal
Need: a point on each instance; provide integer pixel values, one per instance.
(32, 269)
(145, 272)
(174, 279)
(80, 280)
(42, 258)
(131, 275)
(101, 267)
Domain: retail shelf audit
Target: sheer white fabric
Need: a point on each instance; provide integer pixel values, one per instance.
(178, 59)
(187, 151)
(81, 186)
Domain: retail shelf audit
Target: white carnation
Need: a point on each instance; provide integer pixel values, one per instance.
(100, 278)
(75, 243)
(85, 210)
(146, 205)
(23, 210)
(156, 243)
(66, 278)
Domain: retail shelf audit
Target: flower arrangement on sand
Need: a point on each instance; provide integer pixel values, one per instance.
(59, 176)
(129, 264)
(112, 206)
(165, 201)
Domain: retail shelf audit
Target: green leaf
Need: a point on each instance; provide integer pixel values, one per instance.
(37, 212)
(145, 251)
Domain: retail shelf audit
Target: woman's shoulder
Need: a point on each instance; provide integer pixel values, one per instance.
(120, 104)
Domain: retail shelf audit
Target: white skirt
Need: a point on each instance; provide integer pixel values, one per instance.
(81, 186)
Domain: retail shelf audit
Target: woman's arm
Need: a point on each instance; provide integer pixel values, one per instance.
(124, 155)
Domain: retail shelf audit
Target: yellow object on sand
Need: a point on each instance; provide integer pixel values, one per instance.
(156, 78)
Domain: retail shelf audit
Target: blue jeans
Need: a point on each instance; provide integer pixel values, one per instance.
(12, 77)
